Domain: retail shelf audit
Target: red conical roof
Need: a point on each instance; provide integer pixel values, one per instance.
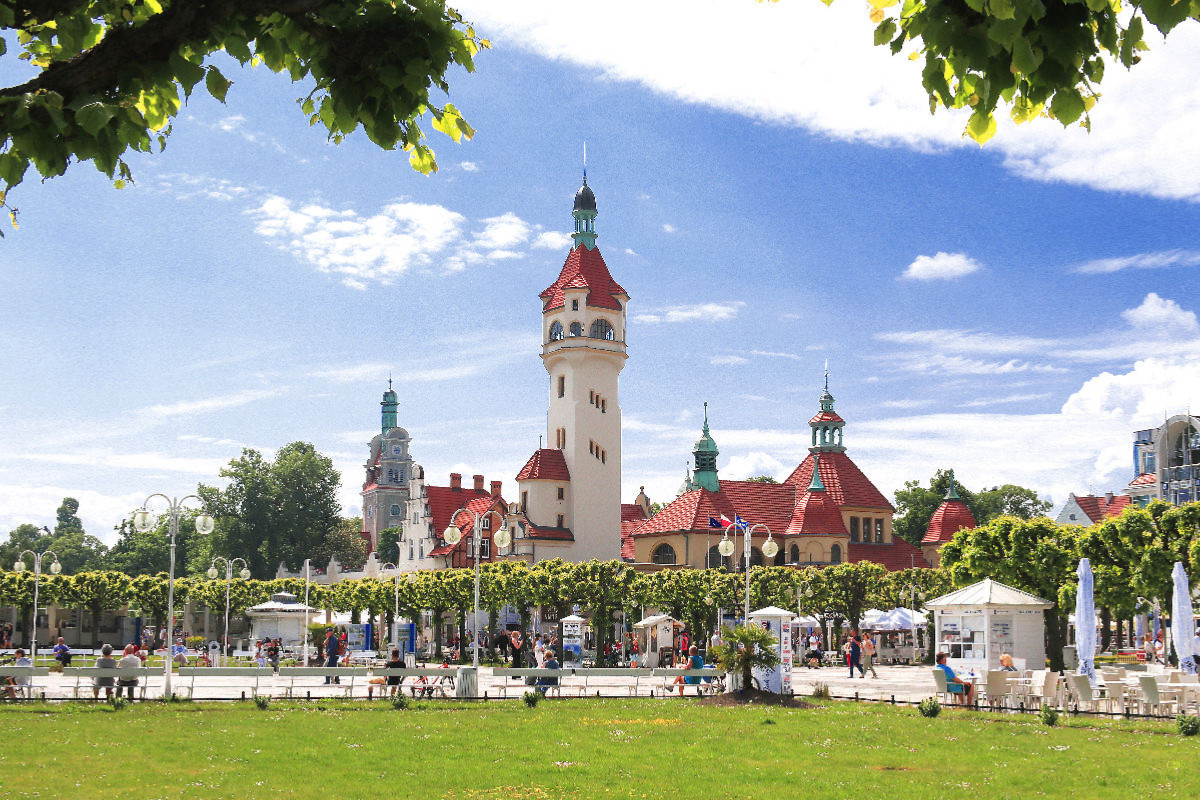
(951, 517)
(584, 269)
(816, 513)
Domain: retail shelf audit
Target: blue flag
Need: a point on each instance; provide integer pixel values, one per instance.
(713, 522)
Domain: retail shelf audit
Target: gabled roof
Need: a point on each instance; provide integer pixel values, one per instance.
(845, 482)
(767, 503)
(1098, 508)
(632, 516)
(951, 517)
(988, 592)
(478, 504)
(545, 532)
(894, 557)
(1145, 479)
(584, 269)
(444, 501)
(546, 464)
(816, 513)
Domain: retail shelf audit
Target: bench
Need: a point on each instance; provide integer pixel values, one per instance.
(444, 685)
(80, 674)
(530, 672)
(252, 675)
(603, 678)
(711, 680)
(29, 673)
(294, 673)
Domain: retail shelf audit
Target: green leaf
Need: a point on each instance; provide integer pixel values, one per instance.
(94, 116)
(1002, 9)
(217, 83)
(186, 71)
(1130, 39)
(1067, 105)
(976, 5)
(1024, 57)
(885, 31)
(981, 127)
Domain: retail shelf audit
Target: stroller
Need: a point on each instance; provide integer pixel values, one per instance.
(813, 659)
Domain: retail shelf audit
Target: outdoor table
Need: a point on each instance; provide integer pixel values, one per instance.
(1019, 687)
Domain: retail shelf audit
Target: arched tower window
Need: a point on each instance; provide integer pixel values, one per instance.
(576, 329)
(556, 331)
(601, 329)
(664, 554)
(835, 554)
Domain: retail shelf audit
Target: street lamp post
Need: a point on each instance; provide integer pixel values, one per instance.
(144, 520)
(307, 574)
(244, 575)
(396, 580)
(726, 548)
(912, 607)
(501, 537)
(55, 568)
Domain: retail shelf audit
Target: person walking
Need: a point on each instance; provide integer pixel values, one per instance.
(332, 645)
(516, 642)
(854, 654)
(868, 655)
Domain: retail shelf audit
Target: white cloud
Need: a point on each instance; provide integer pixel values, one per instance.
(940, 267)
(775, 354)
(552, 240)
(209, 404)
(984, 402)
(904, 404)
(189, 187)
(753, 464)
(940, 363)
(502, 232)
(629, 251)
(468, 166)
(99, 512)
(668, 228)
(1142, 138)
(1159, 260)
(708, 312)
(1160, 316)
(719, 361)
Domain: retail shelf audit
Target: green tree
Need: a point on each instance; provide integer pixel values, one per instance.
(387, 544)
(744, 649)
(99, 592)
(148, 552)
(150, 595)
(111, 75)
(601, 588)
(76, 550)
(16, 589)
(850, 589)
(1037, 556)
(345, 542)
(552, 584)
(916, 504)
(761, 479)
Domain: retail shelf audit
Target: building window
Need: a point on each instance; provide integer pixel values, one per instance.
(485, 548)
(794, 553)
(562, 385)
(487, 523)
(556, 331)
(525, 501)
(410, 550)
(854, 529)
(604, 406)
(396, 510)
(421, 546)
(560, 521)
(664, 554)
(592, 396)
(416, 517)
(574, 305)
(879, 531)
(603, 456)
(576, 329)
(602, 329)
(561, 492)
(835, 554)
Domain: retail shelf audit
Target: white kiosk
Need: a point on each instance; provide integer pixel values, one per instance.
(977, 623)
(655, 634)
(779, 622)
(573, 626)
(281, 617)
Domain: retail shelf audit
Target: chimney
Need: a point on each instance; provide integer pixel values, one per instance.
(456, 481)
(1108, 498)
(496, 488)
(478, 482)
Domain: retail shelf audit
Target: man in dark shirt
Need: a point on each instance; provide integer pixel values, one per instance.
(331, 654)
(394, 662)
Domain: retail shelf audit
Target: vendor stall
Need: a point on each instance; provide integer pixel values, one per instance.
(656, 640)
(281, 617)
(573, 626)
(977, 623)
(778, 621)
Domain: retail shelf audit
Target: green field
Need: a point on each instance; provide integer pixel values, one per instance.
(578, 748)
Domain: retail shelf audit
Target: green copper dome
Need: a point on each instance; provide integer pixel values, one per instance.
(705, 453)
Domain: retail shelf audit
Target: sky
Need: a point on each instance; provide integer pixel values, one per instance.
(773, 193)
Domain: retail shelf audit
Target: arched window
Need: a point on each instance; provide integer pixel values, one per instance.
(794, 554)
(556, 331)
(576, 329)
(664, 554)
(835, 554)
(601, 329)
(779, 558)
(714, 559)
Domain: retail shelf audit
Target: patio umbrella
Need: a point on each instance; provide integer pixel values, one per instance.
(1182, 624)
(1085, 622)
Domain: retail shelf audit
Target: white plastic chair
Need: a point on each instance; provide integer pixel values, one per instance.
(1152, 700)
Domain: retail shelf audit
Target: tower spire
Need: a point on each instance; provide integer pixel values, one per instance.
(952, 492)
(705, 454)
(815, 484)
(585, 162)
(584, 212)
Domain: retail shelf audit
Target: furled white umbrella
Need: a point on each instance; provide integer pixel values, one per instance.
(1182, 623)
(1085, 622)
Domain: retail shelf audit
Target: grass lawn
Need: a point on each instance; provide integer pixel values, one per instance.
(578, 748)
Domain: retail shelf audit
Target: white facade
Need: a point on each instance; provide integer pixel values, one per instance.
(975, 625)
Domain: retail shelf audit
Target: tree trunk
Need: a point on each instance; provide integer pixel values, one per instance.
(96, 613)
(437, 633)
(1054, 639)
(600, 623)
(1105, 629)
(29, 617)
(462, 634)
(493, 621)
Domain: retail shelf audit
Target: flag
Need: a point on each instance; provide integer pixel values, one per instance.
(713, 522)
(741, 523)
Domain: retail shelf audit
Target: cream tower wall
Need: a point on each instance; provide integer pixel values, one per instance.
(589, 414)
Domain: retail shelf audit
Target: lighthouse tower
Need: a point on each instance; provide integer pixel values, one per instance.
(571, 489)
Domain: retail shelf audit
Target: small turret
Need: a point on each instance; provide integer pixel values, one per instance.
(389, 404)
(705, 453)
(584, 213)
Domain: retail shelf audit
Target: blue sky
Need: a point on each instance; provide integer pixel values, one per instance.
(1013, 311)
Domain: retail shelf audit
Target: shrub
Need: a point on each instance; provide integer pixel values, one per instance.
(1048, 715)
(1188, 726)
(929, 707)
(117, 702)
(262, 701)
(821, 691)
(195, 642)
(531, 698)
(744, 649)
(400, 701)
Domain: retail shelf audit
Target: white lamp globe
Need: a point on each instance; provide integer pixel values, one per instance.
(452, 535)
(204, 524)
(55, 568)
(212, 572)
(770, 548)
(143, 520)
(502, 538)
(245, 574)
(725, 548)
(19, 566)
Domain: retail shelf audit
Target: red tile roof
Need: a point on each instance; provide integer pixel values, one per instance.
(369, 487)
(816, 513)
(843, 480)
(826, 416)
(584, 269)
(1098, 508)
(480, 503)
(556, 534)
(895, 556)
(951, 517)
(1145, 479)
(444, 501)
(632, 516)
(546, 464)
